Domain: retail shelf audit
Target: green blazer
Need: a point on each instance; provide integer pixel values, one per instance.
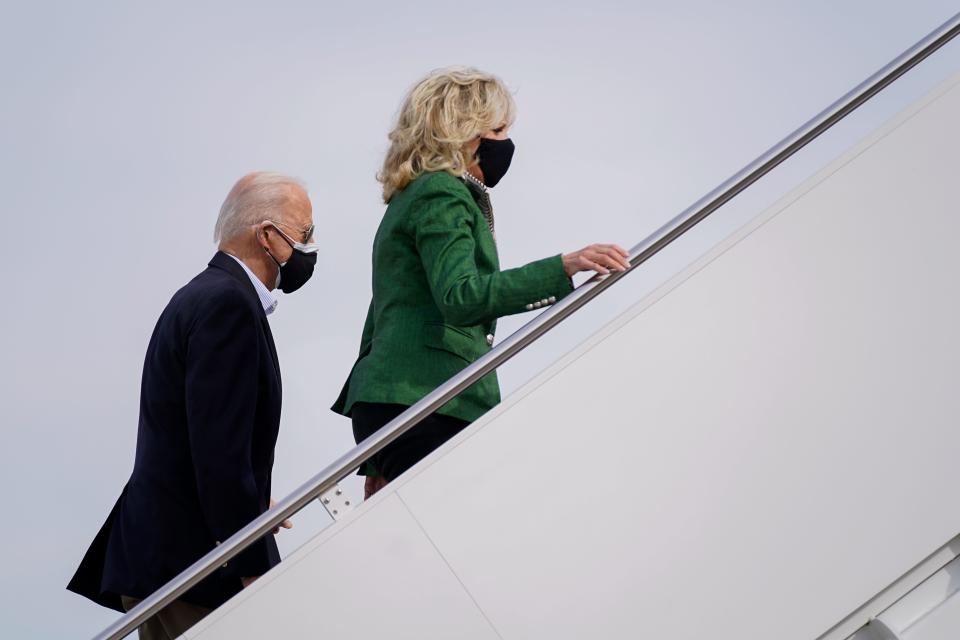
(437, 293)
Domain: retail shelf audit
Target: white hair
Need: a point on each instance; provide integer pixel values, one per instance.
(255, 197)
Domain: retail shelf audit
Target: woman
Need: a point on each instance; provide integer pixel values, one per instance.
(437, 285)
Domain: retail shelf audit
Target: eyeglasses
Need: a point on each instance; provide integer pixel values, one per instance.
(306, 235)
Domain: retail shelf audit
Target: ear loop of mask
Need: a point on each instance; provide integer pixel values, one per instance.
(261, 229)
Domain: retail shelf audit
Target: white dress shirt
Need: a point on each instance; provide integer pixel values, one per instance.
(267, 299)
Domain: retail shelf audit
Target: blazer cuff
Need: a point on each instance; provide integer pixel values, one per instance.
(550, 282)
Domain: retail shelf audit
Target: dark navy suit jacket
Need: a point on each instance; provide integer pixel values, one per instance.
(209, 416)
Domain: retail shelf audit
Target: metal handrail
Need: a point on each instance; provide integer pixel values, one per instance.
(530, 332)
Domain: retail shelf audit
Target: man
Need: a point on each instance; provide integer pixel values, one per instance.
(209, 416)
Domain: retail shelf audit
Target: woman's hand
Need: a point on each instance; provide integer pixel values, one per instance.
(602, 258)
(373, 484)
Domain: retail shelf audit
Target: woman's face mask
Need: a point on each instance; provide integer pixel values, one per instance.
(494, 158)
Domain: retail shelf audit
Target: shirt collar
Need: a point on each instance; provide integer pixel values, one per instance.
(267, 299)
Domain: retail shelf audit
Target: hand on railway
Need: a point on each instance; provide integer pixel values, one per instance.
(602, 258)
(372, 485)
(286, 524)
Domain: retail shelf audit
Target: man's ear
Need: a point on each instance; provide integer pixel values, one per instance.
(262, 238)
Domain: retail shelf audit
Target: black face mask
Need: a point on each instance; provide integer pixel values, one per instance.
(295, 272)
(494, 158)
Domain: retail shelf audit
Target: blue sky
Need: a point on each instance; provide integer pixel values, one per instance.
(123, 125)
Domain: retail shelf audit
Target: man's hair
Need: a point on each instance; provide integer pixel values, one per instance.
(255, 197)
(441, 113)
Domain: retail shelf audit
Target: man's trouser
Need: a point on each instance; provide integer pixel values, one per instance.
(171, 622)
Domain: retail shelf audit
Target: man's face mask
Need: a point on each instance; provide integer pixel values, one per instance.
(295, 272)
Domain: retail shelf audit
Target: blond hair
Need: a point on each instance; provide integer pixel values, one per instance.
(444, 111)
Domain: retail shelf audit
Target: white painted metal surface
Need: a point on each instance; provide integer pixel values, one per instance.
(337, 502)
(768, 442)
(942, 624)
(929, 610)
(376, 572)
(912, 596)
(911, 615)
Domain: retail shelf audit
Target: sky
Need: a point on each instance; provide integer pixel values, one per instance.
(123, 125)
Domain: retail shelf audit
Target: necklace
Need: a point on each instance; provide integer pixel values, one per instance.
(483, 200)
